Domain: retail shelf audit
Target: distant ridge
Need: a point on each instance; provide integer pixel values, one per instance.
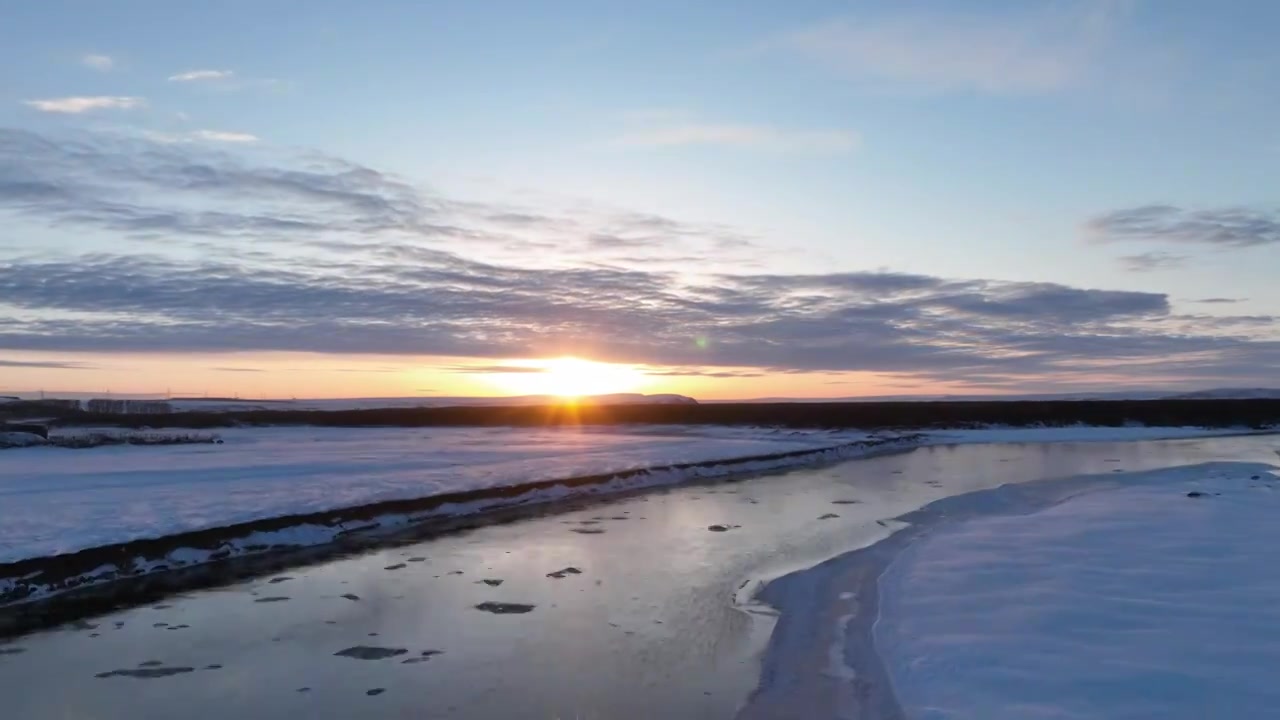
(1231, 394)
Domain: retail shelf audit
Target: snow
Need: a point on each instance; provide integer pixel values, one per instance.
(1137, 602)
(55, 500)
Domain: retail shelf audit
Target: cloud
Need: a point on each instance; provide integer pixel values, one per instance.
(1027, 50)
(101, 63)
(1219, 300)
(257, 252)
(180, 189)
(224, 136)
(202, 75)
(614, 242)
(760, 137)
(1221, 227)
(47, 364)
(190, 188)
(77, 105)
(937, 328)
(491, 369)
(237, 369)
(228, 80)
(693, 372)
(202, 136)
(1149, 261)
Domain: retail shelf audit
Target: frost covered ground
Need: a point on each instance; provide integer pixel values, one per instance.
(1139, 602)
(56, 501)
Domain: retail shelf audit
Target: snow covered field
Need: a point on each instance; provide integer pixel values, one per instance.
(56, 501)
(1140, 602)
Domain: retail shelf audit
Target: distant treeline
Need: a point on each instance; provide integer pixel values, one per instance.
(868, 416)
(96, 406)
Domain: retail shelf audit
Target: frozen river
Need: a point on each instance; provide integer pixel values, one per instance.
(656, 622)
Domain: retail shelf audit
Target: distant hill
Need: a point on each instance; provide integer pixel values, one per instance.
(1231, 394)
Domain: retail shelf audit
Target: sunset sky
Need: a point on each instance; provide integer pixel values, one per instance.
(721, 199)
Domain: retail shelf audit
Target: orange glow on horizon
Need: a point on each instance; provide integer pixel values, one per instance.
(568, 377)
(313, 376)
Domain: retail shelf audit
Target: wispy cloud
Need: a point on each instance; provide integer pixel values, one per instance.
(492, 369)
(933, 328)
(1219, 300)
(47, 364)
(217, 136)
(180, 187)
(703, 372)
(81, 104)
(1150, 261)
(1027, 50)
(101, 63)
(224, 136)
(202, 75)
(762, 137)
(1221, 227)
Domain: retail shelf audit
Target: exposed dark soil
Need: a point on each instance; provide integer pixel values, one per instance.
(499, 608)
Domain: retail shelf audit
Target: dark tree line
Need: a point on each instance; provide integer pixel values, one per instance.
(867, 416)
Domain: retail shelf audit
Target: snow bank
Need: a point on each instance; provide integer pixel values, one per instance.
(1139, 602)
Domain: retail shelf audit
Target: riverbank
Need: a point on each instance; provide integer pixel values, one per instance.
(824, 652)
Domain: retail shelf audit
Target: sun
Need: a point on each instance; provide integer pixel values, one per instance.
(570, 377)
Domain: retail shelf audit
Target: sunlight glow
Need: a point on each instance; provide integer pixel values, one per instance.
(570, 377)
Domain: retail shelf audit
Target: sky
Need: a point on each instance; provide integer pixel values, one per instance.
(724, 199)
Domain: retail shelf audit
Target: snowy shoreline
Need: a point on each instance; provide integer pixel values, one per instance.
(828, 613)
